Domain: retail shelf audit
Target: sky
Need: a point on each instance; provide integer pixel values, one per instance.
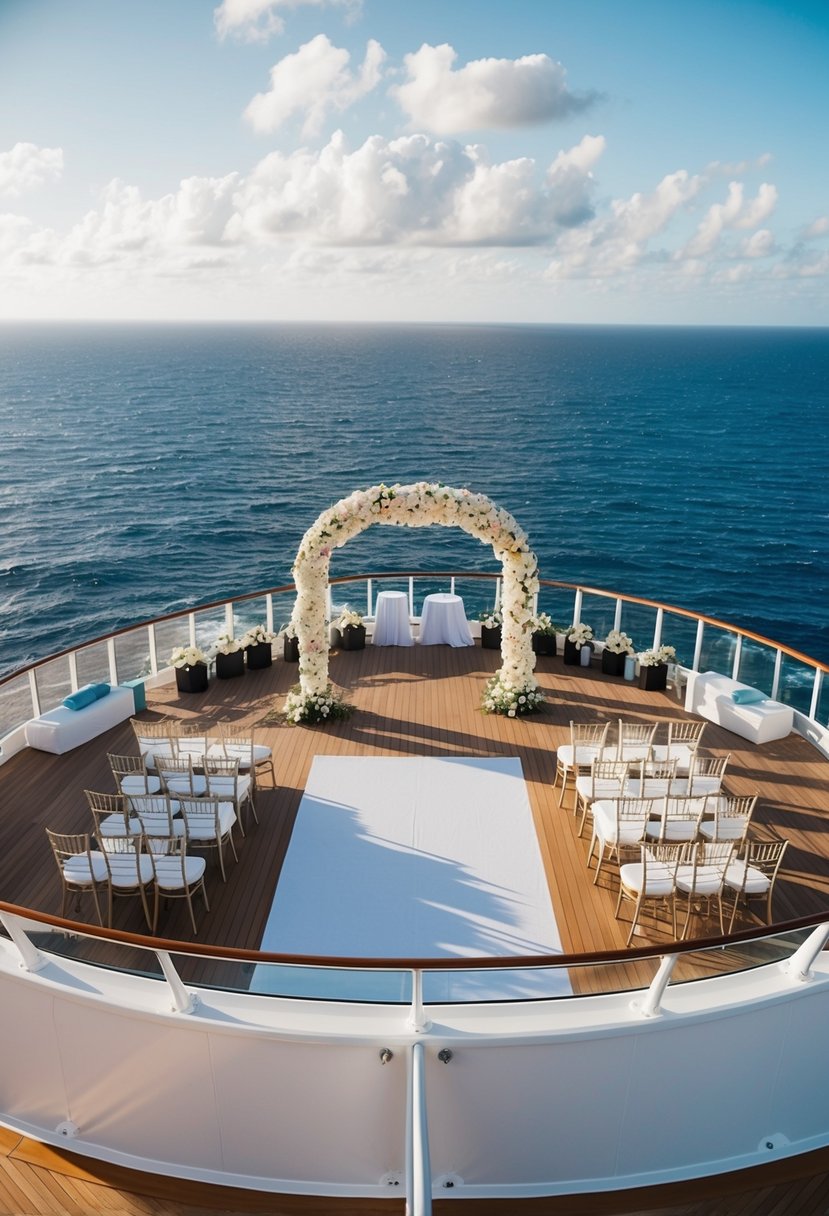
(542, 161)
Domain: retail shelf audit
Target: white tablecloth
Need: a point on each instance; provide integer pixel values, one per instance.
(443, 620)
(391, 626)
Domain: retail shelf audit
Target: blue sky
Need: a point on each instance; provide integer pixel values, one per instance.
(444, 160)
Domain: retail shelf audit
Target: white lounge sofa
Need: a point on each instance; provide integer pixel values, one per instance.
(709, 694)
(61, 729)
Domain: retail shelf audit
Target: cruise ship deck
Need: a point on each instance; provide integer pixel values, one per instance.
(408, 702)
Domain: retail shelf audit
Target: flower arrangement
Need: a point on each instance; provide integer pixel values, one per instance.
(349, 619)
(543, 623)
(491, 620)
(418, 505)
(579, 634)
(257, 636)
(187, 656)
(225, 644)
(321, 707)
(502, 698)
(657, 656)
(619, 643)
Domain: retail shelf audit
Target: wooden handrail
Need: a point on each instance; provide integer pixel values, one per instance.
(798, 655)
(486, 962)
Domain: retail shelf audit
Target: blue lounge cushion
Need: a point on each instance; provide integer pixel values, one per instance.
(81, 698)
(101, 690)
(747, 696)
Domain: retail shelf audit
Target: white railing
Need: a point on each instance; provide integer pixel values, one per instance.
(703, 643)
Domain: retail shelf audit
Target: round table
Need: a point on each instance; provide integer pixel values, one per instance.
(443, 621)
(391, 620)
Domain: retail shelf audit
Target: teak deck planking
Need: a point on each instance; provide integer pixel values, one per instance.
(407, 701)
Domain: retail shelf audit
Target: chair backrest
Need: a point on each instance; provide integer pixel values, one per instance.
(154, 812)
(123, 864)
(134, 767)
(653, 774)
(112, 828)
(765, 856)
(200, 813)
(634, 740)
(680, 817)
(685, 730)
(607, 773)
(709, 769)
(107, 804)
(633, 812)
(222, 776)
(588, 735)
(712, 859)
(666, 856)
(173, 849)
(191, 741)
(733, 810)
(238, 742)
(172, 767)
(68, 845)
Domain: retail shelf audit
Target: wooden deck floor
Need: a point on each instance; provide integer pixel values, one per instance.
(407, 702)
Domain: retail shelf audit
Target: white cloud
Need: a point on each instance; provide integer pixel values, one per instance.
(818, 228)
(412, 190)
(27, 166)
(737, 168)
(735, 212)
(312, 81)
(258, 20)
(759, 245)
(486, 93)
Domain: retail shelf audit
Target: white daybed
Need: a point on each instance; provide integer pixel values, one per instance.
(61, 729)
(710, 695)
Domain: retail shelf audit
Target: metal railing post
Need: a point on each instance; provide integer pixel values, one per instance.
(153, 649)
(34, 693)
(738, 651)
(229, 626)
(657, 628)
(816, 694)
(31, 958)
(191, 620)
(418, 1165)
(417, 1020)
(269, 611)
(799, 966)
(617, 615)
(651, 1005)
(73, 671)
(113, 664)
(577, 602)
(183, 1001)
(778, 667)
(698, 646)
(411, 595)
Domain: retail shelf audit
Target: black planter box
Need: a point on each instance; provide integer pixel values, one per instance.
(192, 679)
(572, 653)
(354, 637)
(654, 679)
(259, 656)
(491, 638)
(613, 664)
(230, 665)
(290, 649)
(544, 643)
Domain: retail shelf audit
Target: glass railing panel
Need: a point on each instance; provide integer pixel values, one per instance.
(53, 682)
(681, 633)
(247, 613)
(210, 623)
(822, 715)
(93, 664)
(638, 622)
(757, 665)
(132, 655)
(304, 983)
(558, 603)
(745, 956)
(797, 682)
(599, 612)
(351, 595)
(536, 983)
(15, 704)
(717, 653)
(169, 635)
(112, 955)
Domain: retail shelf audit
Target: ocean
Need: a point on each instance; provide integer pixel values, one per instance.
(150, 468)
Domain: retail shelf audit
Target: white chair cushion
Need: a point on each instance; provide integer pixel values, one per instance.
(708, 880)
(77, 869)
(168, 872)
(756, 883)
(136, 784)
(181, 785)
(159, 825)
(586, 753)
(125, 872)
(223, 787)
(659, 879)
(197, 830)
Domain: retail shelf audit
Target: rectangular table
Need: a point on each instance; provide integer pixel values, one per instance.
(418, 856)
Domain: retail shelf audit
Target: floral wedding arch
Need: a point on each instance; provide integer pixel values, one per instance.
(513, 689)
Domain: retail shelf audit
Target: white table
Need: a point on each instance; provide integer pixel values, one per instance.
(391, 622)
(443, 620)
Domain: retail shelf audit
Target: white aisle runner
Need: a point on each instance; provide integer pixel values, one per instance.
(417, 857)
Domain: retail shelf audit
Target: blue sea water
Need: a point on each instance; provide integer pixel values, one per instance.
(150, 468)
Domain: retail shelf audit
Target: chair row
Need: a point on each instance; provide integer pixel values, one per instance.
(205, 821)
(633, 742)
(152, 869)
(215, 776)
(700, 872)
(174, 739)
(625, 823)
(611, 779)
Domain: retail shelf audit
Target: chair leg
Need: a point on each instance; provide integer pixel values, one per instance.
(221, 859)
(563, 772)
(190, 910)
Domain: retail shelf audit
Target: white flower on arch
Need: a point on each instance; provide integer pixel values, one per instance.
(417, 506)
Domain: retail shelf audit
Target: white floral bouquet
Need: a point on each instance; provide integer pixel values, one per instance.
(509, 700)
(225, 644)
(311, 708)
(491, 620)
(288, 631)
(619, 643)
(543, 623)
(579, 634)
(187, 656)
(349, 619)
(256, 636)
(657, 656)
